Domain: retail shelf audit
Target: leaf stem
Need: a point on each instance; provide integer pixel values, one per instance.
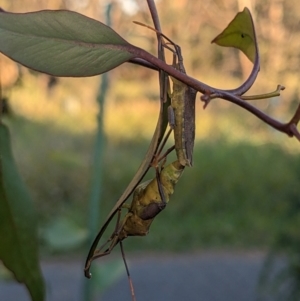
(266, 95)
(208, 91)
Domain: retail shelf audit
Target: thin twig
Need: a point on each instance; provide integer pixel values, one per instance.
(160, 49)
(296, 118)
(208, 90)
(294, 131)
(266, 95)
(234, 95)
(282, 127)
(154, 15)
(143, 63)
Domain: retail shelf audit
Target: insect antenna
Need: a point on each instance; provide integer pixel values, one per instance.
(177, 51)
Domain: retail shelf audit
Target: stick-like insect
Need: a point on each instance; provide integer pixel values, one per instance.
(182, 119)
(181, 112)
(150, 198)
(160, 129)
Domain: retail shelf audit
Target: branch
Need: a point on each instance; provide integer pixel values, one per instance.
(292, 125)
(289, 128)
(209, 92)
(143, 63)
(163, 87)
(243, 88)
(154, 15)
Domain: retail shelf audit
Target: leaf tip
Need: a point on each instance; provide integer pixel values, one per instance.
(240, 34)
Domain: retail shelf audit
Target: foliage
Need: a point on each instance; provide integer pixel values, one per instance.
(64, 43)
(61, 43)
(252, 195)
(283, 282)
(239, 34)
(18, 228)
(275, 22)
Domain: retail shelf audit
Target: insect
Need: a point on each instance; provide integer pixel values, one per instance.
(160, 129)
(181, 112)
(151, 197)
(182, 120)
(143, 169)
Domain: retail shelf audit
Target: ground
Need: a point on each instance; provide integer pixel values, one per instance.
(207, 276)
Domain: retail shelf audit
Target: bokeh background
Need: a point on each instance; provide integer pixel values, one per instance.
(243, 191)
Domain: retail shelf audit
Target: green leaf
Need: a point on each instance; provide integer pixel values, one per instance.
(62, 234)
(240, 34)
(18, 227)
(61, 43)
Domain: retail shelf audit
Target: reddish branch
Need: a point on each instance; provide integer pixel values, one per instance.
(147, 60)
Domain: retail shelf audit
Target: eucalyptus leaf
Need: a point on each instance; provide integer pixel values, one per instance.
(240, 34)
(18, 227)
(61, 43)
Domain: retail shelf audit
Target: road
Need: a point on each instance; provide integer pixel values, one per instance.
(207, 276)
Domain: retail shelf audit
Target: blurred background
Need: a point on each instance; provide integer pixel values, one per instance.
(242, 193)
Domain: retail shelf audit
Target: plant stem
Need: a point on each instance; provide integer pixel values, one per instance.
(207, 90)
(97, 168)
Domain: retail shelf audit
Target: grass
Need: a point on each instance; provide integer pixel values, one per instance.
(233, 197)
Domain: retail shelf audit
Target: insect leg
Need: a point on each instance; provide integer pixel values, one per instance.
(164, 141)
(157, 158)
(160, 188)
(99, 253)
(127, 271)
